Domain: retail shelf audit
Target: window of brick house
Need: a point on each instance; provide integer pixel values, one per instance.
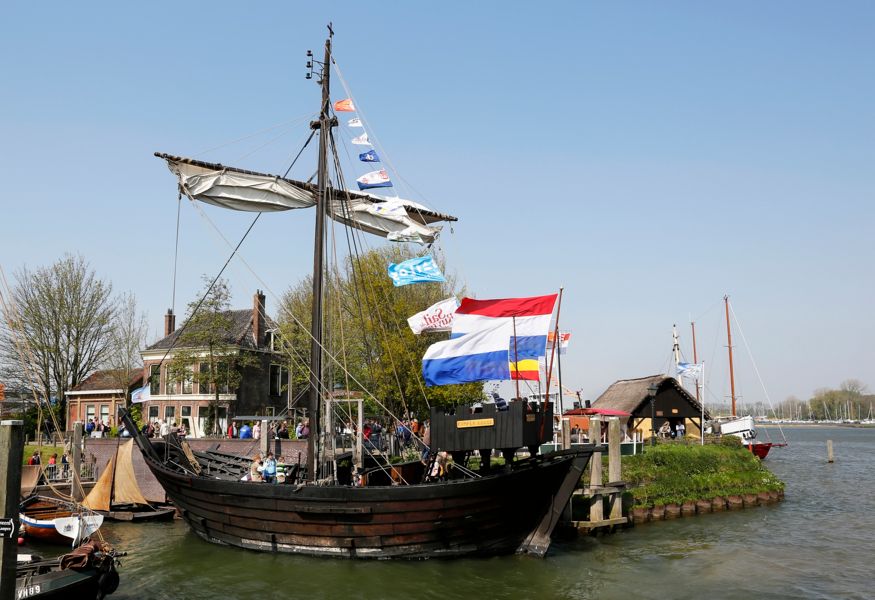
(223, 378)
(171, 385)
(154, 380)
(188, 380)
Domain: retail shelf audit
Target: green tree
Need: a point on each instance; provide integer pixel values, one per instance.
(206, 351)
(57, 329)
(367, 332)
(129, 330)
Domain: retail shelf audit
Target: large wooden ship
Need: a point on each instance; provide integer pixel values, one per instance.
(320, 510)
(512, 509)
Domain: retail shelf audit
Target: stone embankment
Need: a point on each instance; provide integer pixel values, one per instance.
(662, 512)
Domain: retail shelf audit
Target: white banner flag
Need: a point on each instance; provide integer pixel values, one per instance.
(438, 317)
(361, 140)
(141, 394)
(564, 339)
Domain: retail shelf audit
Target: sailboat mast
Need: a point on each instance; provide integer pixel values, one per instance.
(324, 124)
(695, 358)
(729, 345)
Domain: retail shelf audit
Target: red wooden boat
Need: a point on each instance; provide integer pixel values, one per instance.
(55, 521)
(761, 449)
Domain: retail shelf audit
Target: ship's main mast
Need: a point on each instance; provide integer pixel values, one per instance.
(324, 125)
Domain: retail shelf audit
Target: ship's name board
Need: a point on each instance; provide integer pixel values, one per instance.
(475, 423)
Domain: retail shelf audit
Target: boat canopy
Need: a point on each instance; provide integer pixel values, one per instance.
(395, 219)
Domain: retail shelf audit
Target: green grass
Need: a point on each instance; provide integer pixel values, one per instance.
(677, 473)
(45, 452)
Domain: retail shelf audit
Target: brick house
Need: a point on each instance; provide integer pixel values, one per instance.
(98, 396)
(263, 388)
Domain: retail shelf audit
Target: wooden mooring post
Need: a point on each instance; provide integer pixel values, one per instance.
(76, 462)
(11, 450)
(829, 454)
(598, 492)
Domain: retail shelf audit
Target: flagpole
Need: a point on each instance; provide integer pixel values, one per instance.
(557, 348)
(550, 368)
(516, 364)
(701, 404)
(695, 357)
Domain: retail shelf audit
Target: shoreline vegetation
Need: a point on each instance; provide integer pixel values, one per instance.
(679, 479)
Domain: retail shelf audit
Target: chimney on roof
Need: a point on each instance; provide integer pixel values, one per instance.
(258, 317)
(169, 322)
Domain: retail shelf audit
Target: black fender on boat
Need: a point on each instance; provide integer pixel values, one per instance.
(108, 583)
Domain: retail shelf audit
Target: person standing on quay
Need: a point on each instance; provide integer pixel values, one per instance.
(255, 468)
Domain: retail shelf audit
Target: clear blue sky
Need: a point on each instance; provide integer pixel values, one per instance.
(649, 157)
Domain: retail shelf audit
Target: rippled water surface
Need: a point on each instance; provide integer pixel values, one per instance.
(818, 543)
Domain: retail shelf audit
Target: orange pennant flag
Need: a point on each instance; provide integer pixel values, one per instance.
(344, 106)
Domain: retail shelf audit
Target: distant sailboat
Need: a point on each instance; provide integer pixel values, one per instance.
(118, 496)
(742, 427)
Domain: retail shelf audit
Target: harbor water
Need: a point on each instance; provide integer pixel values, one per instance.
(818, 543)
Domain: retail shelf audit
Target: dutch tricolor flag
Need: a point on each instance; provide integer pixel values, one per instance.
(491, 339)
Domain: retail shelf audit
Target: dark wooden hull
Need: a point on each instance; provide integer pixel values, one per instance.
(47, 581)
(68, 584)
(491, 515)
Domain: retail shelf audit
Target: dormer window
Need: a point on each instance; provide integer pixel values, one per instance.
(273, 340)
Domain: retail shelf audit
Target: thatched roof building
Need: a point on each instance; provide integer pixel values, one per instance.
(670, 403)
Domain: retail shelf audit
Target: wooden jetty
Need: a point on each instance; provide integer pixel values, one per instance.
(599, 493)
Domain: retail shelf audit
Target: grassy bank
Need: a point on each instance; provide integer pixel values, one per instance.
(676, 473)
(45, 452)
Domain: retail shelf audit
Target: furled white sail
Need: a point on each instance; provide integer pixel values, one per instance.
(395, 219)
(391, 218)
(239, 191)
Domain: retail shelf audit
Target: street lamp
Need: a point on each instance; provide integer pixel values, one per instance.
(652, 390)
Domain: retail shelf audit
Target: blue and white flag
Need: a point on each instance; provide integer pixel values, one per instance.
(369, 156)
(478, 356)
(142, 394)
(361, 140)
(374, 179)
(690, 369)
(355, 122)
(415, 270)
